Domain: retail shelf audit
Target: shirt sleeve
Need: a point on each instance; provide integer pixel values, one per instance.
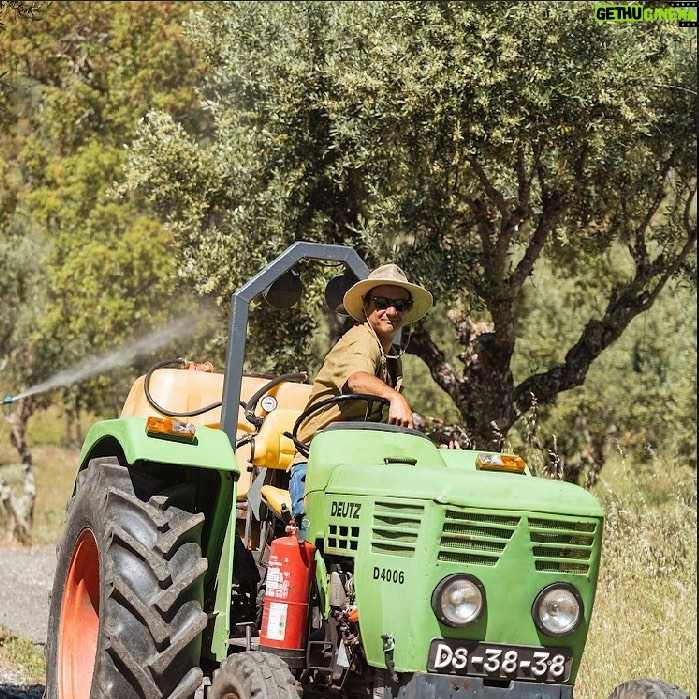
(356, 351)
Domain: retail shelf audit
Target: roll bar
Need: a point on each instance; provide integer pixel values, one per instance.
(240, 305)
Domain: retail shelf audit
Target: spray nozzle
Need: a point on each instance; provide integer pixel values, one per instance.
(8, 399)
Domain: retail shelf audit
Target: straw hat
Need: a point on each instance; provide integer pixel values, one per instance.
(392, 275)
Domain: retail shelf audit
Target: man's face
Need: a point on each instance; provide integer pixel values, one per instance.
(385, 318)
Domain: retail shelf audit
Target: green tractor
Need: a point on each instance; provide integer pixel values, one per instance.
(426, 572)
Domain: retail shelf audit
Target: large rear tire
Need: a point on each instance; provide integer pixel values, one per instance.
(126, 607)
(648, 689)
(253, 675)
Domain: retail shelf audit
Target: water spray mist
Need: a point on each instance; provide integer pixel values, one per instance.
(181, 328)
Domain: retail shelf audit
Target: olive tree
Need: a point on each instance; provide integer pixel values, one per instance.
(467, 141)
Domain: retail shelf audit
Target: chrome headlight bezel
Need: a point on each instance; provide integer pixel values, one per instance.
(453, 581)
(546, 596)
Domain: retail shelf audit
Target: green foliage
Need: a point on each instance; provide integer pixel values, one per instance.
(19, 287)
(464, 140)
(19, 10)
(107, 269)
(23, 292)
(111, 267)
(98, 75)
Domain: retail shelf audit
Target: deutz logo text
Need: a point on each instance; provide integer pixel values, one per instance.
(347, 510)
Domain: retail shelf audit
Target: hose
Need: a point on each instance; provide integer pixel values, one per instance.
(179, 361)
(250, 406)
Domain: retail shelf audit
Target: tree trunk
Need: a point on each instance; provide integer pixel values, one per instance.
(20, 508)
(483, 393)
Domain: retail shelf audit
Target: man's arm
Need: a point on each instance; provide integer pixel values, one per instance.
(399, 411)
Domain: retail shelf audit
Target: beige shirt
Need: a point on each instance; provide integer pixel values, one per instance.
(357, 350)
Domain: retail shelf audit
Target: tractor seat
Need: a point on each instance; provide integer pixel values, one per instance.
(277, 499)
(270, 447)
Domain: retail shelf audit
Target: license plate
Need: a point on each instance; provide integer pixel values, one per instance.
(493, 660)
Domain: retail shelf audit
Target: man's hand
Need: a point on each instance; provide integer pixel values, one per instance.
(399, 411)
(453, 444)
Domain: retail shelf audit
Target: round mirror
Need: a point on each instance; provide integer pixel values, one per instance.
(336, 289)
(285, 291)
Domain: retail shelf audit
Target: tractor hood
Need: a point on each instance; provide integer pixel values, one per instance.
(357, 459)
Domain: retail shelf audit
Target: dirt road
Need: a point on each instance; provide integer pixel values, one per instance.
(26, 576)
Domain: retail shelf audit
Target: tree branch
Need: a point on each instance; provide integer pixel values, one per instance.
(597, 335)
(552, 210)
(493, 194)
(442, 372)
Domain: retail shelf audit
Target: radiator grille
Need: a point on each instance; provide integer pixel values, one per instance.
(475, 537)
(481, 538)
(395, 528)
(562, 546)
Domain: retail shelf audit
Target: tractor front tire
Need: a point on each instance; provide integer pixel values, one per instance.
(253, 675)
(648, 689)
(126, 613)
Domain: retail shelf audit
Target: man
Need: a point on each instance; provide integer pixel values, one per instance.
(365, 360)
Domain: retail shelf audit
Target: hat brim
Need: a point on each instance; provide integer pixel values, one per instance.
(353, 300)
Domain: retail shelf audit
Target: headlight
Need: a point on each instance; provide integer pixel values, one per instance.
(558, 610)
(458, 600)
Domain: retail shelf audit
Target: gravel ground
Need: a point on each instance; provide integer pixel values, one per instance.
(26, 576)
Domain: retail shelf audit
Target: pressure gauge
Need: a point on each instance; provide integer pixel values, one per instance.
(268, 403)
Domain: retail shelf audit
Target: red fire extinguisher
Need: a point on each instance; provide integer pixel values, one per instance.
(285, 615)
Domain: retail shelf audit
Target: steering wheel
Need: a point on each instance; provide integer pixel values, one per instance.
(315, 407)
(249, 407)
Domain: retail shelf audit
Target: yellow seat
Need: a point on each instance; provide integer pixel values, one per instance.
(276, 498)
(271, 449)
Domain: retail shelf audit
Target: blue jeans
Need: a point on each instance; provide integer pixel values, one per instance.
(297, 486)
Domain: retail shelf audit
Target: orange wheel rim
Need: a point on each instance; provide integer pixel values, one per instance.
(79, 626)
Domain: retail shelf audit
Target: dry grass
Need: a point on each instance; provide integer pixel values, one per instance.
(645, 621)
(25, 659)
(645, 618)
(54, 473)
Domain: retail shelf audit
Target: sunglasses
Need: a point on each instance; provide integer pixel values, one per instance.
(383, 302)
